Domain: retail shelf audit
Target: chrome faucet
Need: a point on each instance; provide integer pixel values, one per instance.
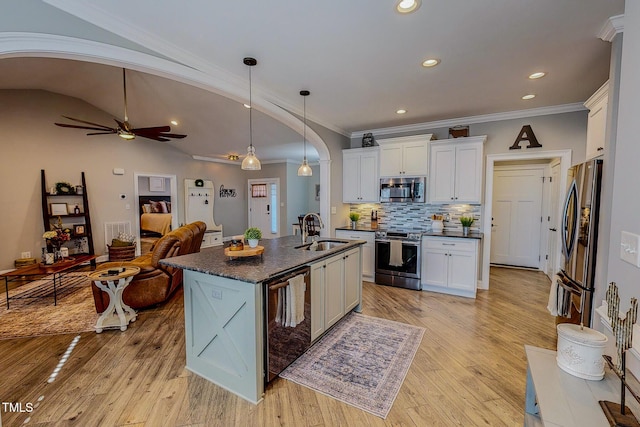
(304, 233)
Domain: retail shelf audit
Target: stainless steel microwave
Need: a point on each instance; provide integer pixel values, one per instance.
(404, 189)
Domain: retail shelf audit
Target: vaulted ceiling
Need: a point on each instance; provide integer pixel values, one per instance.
(360, 59)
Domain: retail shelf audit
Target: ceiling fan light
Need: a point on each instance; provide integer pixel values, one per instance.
(305, 169)
(127, 135)
(251, 162)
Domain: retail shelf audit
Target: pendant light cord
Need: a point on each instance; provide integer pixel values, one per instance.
(250, 111)
(304, 131)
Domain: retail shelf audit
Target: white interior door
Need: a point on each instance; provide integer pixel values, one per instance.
(264, 202)
(517, 215)
(553, 242)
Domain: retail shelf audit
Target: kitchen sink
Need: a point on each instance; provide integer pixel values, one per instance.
(322, 245)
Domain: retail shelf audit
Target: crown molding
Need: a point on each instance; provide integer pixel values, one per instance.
(236, 162)
(613, 26)
(463, 121)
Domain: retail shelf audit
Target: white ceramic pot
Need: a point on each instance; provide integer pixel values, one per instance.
(437, 226)
(253, 243)
(580, 351)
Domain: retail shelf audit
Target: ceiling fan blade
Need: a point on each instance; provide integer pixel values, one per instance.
(86, 122)
(155, 129)
(105, 129)
(155, 137)
(101, 133)
(173, 135)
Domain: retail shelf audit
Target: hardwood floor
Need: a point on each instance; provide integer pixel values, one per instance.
(469, 370)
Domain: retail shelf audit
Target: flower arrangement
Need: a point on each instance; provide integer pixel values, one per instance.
(354, 216)
(253, 233)
(57, 237)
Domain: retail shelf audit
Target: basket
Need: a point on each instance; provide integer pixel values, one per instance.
(122, 253)
(23, 262)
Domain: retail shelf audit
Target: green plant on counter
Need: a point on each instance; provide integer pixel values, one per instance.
(354, 216)
(466, 221)
(253, 233)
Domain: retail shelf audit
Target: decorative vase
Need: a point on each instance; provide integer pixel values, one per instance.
(253, 243)
(465, 231)
(354, 224)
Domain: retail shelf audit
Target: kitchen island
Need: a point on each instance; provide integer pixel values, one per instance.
(224, 305)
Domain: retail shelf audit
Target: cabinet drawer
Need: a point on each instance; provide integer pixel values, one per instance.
(449, 244)
(356, 235)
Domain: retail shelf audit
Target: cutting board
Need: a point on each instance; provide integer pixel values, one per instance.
(258, 250)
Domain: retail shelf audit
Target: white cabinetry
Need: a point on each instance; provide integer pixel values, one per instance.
(368, 250)
(211, 238)
(336, 284)
(450, 265)
(407, 155)
(597, 124)
(360, 175)
(455, 172)
(352, 279)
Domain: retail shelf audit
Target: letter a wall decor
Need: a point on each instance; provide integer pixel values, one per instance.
(526, 134)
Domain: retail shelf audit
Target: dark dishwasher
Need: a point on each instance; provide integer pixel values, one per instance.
(284, 344)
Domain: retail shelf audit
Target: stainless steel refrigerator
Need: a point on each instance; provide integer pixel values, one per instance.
(579, 242)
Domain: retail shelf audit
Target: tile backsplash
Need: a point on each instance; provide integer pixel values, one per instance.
(416, 216)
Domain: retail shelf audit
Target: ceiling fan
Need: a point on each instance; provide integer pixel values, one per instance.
(124, 129)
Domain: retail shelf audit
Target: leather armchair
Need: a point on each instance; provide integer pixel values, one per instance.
(155, 283)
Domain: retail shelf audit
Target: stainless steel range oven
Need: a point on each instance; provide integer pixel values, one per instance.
(398, 259)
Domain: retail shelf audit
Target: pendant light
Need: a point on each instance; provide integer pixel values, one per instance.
(305, 169)
(250, 162)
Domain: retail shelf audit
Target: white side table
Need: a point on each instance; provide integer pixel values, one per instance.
(117, 314)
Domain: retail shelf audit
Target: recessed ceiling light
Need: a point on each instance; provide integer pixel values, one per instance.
(401, 111)
(246, 105)
(233, 157)
(537, 75)
(529, 96)
(408, 6)
(432, 62)
(174, 122)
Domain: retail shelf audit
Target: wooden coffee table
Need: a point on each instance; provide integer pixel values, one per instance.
(38, 271)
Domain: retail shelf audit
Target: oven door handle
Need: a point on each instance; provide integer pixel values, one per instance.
(403, 242)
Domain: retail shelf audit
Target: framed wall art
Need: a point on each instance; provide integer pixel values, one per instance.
(59, 209)
(79, 230)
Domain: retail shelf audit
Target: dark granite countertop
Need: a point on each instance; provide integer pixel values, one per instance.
(279, 255)
(367, 229)
(453, 233)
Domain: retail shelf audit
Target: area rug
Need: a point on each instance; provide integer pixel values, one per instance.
(362, 361)
(28, 317)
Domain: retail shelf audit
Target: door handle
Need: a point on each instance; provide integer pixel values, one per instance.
(553, 229)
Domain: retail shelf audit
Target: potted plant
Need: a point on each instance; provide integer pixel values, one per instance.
(252, 235)
(354, 217)
(466, 222)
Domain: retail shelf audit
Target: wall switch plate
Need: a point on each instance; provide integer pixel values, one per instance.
(333, 210)
(629, 245)
(25, 255)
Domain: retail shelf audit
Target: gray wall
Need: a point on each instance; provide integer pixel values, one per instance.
(32, 142)
(554, 132)
(625, 204)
